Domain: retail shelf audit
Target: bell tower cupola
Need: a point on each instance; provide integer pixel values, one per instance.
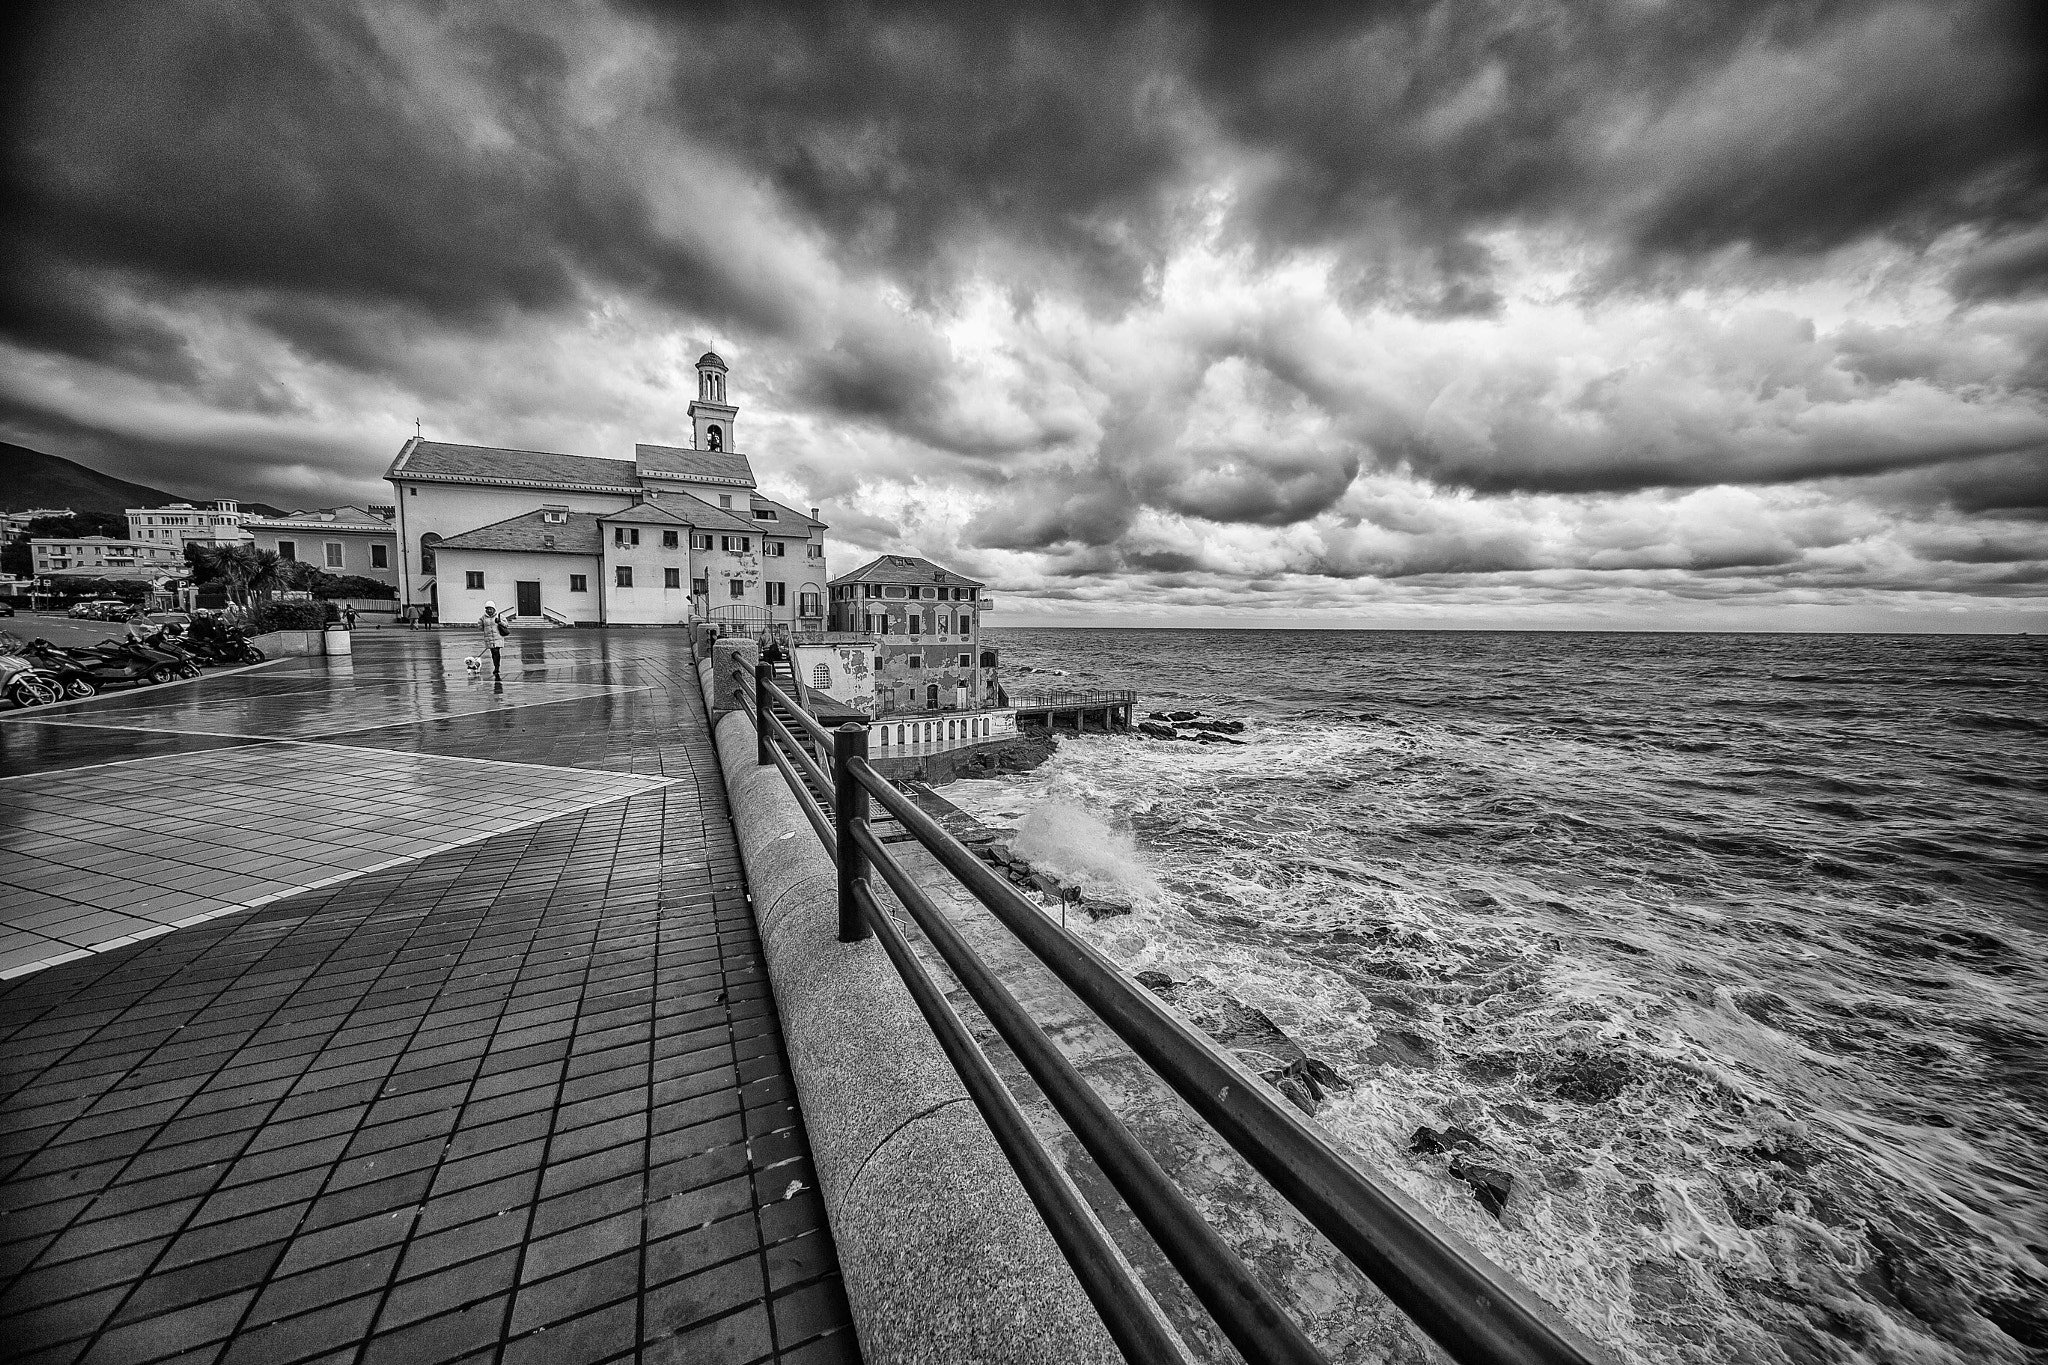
(711, 416)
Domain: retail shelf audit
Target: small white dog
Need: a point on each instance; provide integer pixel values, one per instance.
(474, 663)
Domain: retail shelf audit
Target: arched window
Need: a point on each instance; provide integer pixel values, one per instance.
(884, 736)
(714, 439)
(821, 677)
(427, 544)
(931, 696)
(899, 734)
(988, 658)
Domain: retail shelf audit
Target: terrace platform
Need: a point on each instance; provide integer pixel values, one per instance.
(361, 1011)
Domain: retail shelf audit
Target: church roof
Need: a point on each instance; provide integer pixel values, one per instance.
(527, 533)
(445, 462)
(710, 359)
(700, 466)
(324, 518)
(906, 570)
(680, 509)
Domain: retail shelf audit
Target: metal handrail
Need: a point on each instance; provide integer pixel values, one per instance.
(1040, 700)
(1242, 1306)
(1472, 1307)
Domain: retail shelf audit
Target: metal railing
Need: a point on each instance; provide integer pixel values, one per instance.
(1472, 1308)
(1060, 700)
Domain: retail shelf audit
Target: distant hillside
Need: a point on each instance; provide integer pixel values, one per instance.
(29, 478)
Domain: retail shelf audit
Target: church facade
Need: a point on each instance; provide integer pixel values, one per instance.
(672, 536)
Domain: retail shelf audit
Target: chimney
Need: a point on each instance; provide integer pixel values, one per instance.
(814, 514)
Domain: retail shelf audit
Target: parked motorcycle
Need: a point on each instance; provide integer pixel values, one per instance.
(112, 663)
(25, 683)
(73, 678)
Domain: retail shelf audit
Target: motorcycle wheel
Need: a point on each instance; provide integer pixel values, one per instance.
(188, 670)
(78, 689)
(251, 654)
(31, 692)
(161, 674)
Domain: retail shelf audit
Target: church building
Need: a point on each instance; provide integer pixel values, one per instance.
(672, 536)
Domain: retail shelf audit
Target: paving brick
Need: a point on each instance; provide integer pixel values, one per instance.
(734, 1339)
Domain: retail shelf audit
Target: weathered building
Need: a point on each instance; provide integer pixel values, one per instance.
(923, 623)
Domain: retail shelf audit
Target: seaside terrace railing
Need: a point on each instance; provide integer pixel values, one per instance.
(1059, 700)
(1473, 1309)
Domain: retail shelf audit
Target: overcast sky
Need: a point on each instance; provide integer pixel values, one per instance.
(1631, 314)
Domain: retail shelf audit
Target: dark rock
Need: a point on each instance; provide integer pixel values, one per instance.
(1590, 1077)
(1155, 981)
(1491, 1182)
(1155, 730)
(1219, 727)
(1473, 899)
(1105, 909)
(1206, 738)
(1178, 716)
(1326, 1075)
(997, 853)
(1450, 1139)
(1295, 1088)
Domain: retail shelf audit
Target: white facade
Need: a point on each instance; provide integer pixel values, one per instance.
(685, 536)
(103, 554)
(844, 672)
(566, 583)
(908, 737)
(213, 523)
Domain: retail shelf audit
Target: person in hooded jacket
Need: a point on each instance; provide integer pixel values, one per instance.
(495, 630)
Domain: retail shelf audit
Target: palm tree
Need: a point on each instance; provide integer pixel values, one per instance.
(264, 571)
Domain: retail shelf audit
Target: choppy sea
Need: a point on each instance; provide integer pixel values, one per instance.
(1733, 948)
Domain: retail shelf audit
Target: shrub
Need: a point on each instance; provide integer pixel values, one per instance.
(353, 585)
(269, 616)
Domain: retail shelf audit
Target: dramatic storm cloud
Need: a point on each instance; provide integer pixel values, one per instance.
(1551, 313)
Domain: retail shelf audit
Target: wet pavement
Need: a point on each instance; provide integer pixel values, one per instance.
(406, 1017)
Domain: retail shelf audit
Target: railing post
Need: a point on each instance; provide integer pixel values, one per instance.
(763, 675)
(849, 810)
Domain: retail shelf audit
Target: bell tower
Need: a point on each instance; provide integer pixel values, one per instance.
(711, 417)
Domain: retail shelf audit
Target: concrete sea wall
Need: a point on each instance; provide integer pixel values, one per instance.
(944, 1257)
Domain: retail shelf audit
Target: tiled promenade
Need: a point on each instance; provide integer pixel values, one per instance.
(489, 1072)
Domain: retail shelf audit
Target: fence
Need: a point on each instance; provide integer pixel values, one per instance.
(1472, 1308)
(1060, 701)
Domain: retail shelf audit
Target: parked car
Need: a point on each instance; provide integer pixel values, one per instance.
(101, 609)
(6, 609)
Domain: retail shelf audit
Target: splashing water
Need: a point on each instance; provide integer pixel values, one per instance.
(1732, 948)
(1066, 838)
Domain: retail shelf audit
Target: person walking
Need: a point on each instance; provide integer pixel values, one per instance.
(494, 630)
(348, 617)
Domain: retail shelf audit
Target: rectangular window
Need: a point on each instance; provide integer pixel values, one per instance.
(473, 580)
(669, 539)
(623, 575)
(764, 514)
(967, 661)
(701, 587)
(774, 549)
(625, 535)
(736, 587)
(778, 594)
(913, 661)
(817, 552)
(579, 582)
(671, 578)
(700, 542)
(332, 550)
(288, 549)
(916, 625)
(380, 556)
(810, 604)
(725, 501)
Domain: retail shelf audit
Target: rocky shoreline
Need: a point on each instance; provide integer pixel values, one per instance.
(1192, 726)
